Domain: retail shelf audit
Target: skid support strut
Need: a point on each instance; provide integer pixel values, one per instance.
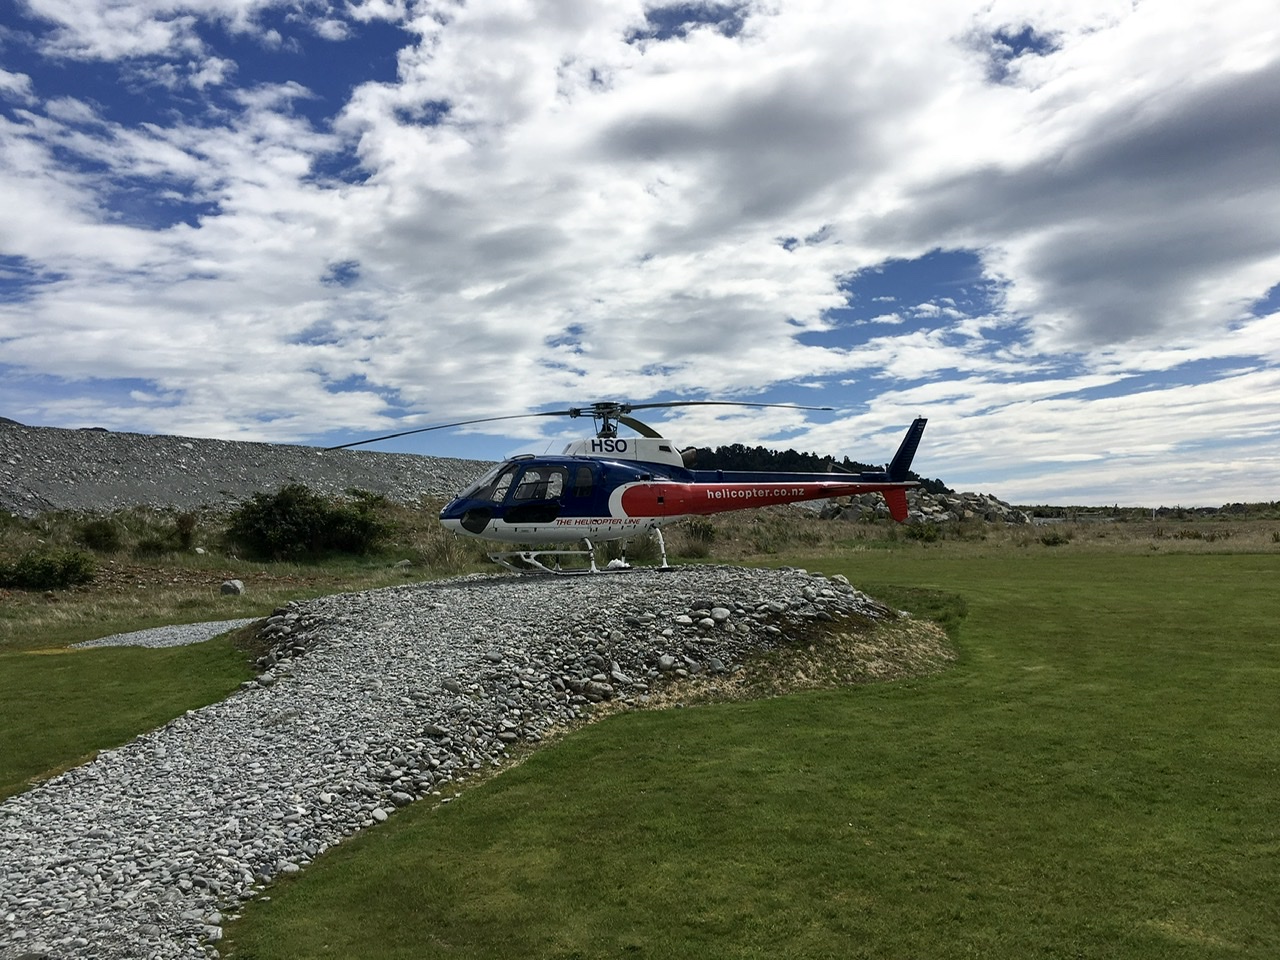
(530, 561)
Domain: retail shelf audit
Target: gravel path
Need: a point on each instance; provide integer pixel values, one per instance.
(368, 702)
(178, 635)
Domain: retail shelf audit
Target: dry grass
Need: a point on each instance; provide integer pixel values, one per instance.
(132, 592)
(134, 589)
(753, 534)
(132, 595)
(844, 654)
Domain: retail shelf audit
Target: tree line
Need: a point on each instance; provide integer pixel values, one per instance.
(739, 456)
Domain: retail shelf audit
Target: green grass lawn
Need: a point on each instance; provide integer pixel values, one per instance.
(58, 707)
(1099, 776)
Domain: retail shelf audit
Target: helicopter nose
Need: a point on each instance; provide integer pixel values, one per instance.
(476, 519)
(463, 517)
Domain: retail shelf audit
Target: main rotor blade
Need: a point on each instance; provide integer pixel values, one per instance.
(446, 426)
(605, 408)
(716, 403)
(639, 426)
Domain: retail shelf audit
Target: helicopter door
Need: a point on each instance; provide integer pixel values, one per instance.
(493, 486)
(536, 496)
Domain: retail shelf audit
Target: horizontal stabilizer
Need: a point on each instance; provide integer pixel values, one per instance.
(897, 501)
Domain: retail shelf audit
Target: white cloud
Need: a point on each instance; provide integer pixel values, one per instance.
(211, 71)
(117, 29)
(367, 10)
(335, 30)
(16, 86)
(539, 210)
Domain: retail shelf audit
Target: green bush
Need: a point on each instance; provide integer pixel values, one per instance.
(48, 571)
(184, 529)
(294, 523)
(100, 534)
(150, 547)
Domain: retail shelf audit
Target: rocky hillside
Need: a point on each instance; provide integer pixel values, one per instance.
(928, 508)
(47, 468)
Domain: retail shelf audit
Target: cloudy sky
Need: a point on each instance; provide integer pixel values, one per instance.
(1050, 226)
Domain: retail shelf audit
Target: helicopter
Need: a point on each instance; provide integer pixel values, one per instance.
(609, 487)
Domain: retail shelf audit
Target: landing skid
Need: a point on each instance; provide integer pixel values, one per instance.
(529, 561)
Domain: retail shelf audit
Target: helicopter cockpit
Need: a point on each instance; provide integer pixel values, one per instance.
(516, 482)
(523, 490)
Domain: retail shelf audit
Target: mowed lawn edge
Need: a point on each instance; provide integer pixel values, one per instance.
(1096, 777)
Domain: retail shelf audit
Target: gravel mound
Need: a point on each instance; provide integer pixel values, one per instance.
(367, 702)
(48, 468)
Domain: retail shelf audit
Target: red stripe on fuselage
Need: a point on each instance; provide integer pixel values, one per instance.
(668, 499)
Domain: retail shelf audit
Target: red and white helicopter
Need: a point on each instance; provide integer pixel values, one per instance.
(615, 488)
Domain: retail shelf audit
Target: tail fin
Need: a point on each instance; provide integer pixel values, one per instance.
(901, 464)
(897, 503)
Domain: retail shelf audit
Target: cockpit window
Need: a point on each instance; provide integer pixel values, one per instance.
(503, 484)
(540, 483)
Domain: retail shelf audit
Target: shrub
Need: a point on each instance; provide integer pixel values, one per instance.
(184, 527)
(442, 552)
(924, 532)
(639, 549)
(48, 571)
(1055, 538)
(295, 523)
(1210, 537)
(700, 530)
(149, 547)
(100, 534)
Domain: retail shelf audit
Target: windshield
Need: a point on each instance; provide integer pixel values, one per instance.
(480, 489)
(536, 482)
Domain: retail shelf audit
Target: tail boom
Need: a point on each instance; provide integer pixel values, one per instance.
(723, 491)
(658, 499)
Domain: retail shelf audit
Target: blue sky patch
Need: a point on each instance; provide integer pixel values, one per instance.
(153, 204)
(1184, 374)
(1007, 45)
(20, 279)
(1268, 304)
(344, 273)
(26, 397)
(329, 68)
(901, 286)
(677, 19)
